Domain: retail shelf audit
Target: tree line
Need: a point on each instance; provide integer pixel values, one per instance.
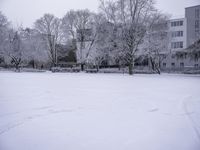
(119, 33)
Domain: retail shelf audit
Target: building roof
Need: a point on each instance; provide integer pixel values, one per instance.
(176, 19)
(192, 6)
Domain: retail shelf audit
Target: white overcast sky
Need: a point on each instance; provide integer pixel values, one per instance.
(25, 12)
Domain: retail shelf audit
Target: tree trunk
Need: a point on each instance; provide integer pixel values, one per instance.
(33, 64)
(157, 68)
(152, 64)
(97, 67)
(119, 67)
(82, 67)
(130, 67)
(54, 64)
(17, 67)
(17, 63)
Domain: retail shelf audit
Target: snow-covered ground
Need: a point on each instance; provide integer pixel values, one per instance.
(46, 111)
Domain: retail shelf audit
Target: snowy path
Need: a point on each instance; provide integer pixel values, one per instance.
(45, 111)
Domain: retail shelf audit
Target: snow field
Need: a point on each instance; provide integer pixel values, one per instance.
(46, 111)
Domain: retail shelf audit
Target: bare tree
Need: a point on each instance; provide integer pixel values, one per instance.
(15, 49)
(36, 47)
(49, 27)
(78, 25)
(156, 42)
(11, 44)
(98, 43)
(105, 43)
(85, 36)
(69, 22)
(133, 16)
(4, 28)
(91, 33)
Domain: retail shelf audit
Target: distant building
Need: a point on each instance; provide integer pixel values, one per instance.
(183, 32)
(177, 34)
(84, 38)
(193, 24)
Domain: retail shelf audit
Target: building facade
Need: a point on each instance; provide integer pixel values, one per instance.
(192, 14)
(182, 33)
(177, 34)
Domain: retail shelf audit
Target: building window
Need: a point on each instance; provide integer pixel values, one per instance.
(180, 33)
(181, 56)
(164, 65)
(181, 23)
(185, 56)
(196, 65)
(175, 45)
(181, 44)
(173, 56)
(176, 23)
(196, 24)
(177, 34)
(182, 65)
(173, 64)
(197, 13)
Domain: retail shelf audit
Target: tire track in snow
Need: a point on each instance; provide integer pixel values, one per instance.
(189, 115)
(11, 126)
(49, 112)
(16, 113)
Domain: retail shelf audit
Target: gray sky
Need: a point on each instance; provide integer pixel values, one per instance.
(25, 12)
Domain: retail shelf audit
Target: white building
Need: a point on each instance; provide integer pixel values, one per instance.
(183, 32)
(193, 24)
(177, 34)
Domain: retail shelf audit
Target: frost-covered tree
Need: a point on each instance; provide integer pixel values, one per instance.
(11, 44)
(156, 42)
(36, 47)
(69, 24)
(95, 35)
(194, 50)
(15, 49)
(134, 17)
(85, 36)
(4, 31)
(105, 43)
(49, 27)
(77, 24)
(97, 44)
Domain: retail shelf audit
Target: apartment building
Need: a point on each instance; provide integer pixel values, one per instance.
(193, 24)
(177, 34)
(183, 32)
